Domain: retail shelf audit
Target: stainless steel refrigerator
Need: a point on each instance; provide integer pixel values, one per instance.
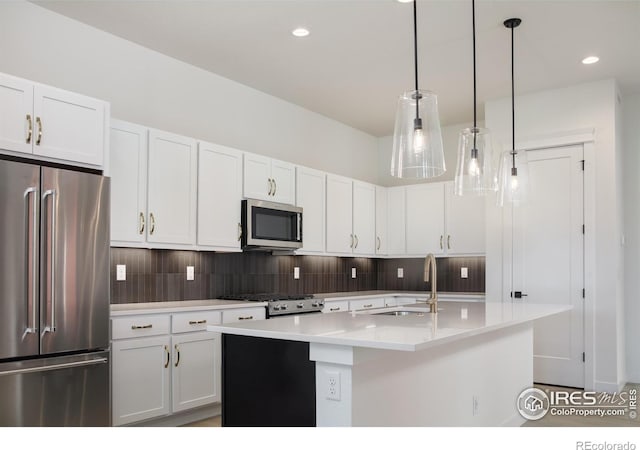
(54, 297)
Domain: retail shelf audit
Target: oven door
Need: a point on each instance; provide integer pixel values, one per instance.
(272, 226)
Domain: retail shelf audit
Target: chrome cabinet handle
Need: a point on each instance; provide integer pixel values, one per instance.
(239, 232)
(275, 187)
(141, 327)
(152, 219)
(441, 237)
(357, 240)
(245, 318)
(270, 181)
(52, 256)
(379, 242)
(351, 246)
(178, 355)
(368, 306)
(334, 309)
(141, 223)
(30, 129)
(39, 123)
(166, 350)
(197, 322)
(448, 241)
(33, 326)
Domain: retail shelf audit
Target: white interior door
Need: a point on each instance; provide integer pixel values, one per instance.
(548, 254)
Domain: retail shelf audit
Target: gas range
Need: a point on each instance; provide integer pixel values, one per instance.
(282, 304)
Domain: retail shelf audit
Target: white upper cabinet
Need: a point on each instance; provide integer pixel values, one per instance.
(339, 215)
(396, 221)
(219, 196)
(310, 196)
(172, 187)
(364, 218)
(128, 183)
(351, 216)
(465, 223)
(425, 219)
(381, 220)
(51, 123)
(269, 179)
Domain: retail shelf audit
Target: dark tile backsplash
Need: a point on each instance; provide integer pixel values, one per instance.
(160, 275)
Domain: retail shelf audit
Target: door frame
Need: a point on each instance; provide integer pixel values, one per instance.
(586, 138)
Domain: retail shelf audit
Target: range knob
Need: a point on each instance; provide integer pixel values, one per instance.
(300, 305)
(315, 304)
(283, 307)
(276, 307)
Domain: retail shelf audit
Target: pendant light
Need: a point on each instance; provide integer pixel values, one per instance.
(514, 170)
(417, 138)
(474, 172)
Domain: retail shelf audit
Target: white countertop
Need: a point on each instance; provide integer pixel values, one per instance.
(127, 309)
(454, 321)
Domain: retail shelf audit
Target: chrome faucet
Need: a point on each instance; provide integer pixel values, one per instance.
(430, 273)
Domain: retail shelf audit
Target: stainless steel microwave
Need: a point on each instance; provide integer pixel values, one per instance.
(270, 226)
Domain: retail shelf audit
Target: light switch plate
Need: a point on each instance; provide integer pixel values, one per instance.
(400, 272)
(121, 272)
(190, 273)
(464, 272)
(353, 272)
(296, 273)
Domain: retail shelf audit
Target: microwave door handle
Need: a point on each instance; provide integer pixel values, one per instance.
(299, 216)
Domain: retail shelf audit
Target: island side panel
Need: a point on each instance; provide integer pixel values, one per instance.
(439, 386)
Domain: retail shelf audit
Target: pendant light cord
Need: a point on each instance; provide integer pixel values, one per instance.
(475, 122)
(415, 56)
(513, 107)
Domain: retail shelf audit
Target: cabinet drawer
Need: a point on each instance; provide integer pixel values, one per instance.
(194, 321)
(139, 326)
(330, 307)
(236, 315)
(366, 303)
(405, 300)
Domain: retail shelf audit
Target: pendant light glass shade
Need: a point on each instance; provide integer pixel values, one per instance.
(475, 174)
(513, 178)
(417, 139)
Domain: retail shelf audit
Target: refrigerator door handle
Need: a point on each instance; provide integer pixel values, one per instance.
(33, 326)
(68, 365)
(52, 256)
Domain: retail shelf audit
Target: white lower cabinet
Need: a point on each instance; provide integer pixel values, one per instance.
(337, 306)
(166, 363)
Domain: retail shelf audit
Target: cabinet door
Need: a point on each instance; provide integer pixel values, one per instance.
(128, 155)
(310, 194)
(339, 215)
(381, 220)
(68, 126)
(219, 196)
(396, 231)
(140, 383)
(364, 218)
(17, 122)
(195, 375)
(172, 188)
(283, 175)
(257, 177)
(425, 219)
(465, 223)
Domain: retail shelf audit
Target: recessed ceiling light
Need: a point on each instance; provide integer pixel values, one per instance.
(590, 60)
(300, 32)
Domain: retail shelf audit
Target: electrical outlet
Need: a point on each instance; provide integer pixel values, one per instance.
(121, 272)
(190, 273)
(333, 385)
(464, 272)
(476, 405)
(400, 272)
(296, 273)
(353, 272)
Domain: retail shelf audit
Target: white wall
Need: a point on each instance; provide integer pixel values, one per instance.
(155, 90)
(591, 105)
(631, 145)
(450, 143)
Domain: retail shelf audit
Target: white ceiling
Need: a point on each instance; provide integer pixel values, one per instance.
(359, 56)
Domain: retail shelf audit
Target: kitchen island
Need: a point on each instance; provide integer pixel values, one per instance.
(464, 366)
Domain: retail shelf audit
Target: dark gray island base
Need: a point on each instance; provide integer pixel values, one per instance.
(267, 382)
